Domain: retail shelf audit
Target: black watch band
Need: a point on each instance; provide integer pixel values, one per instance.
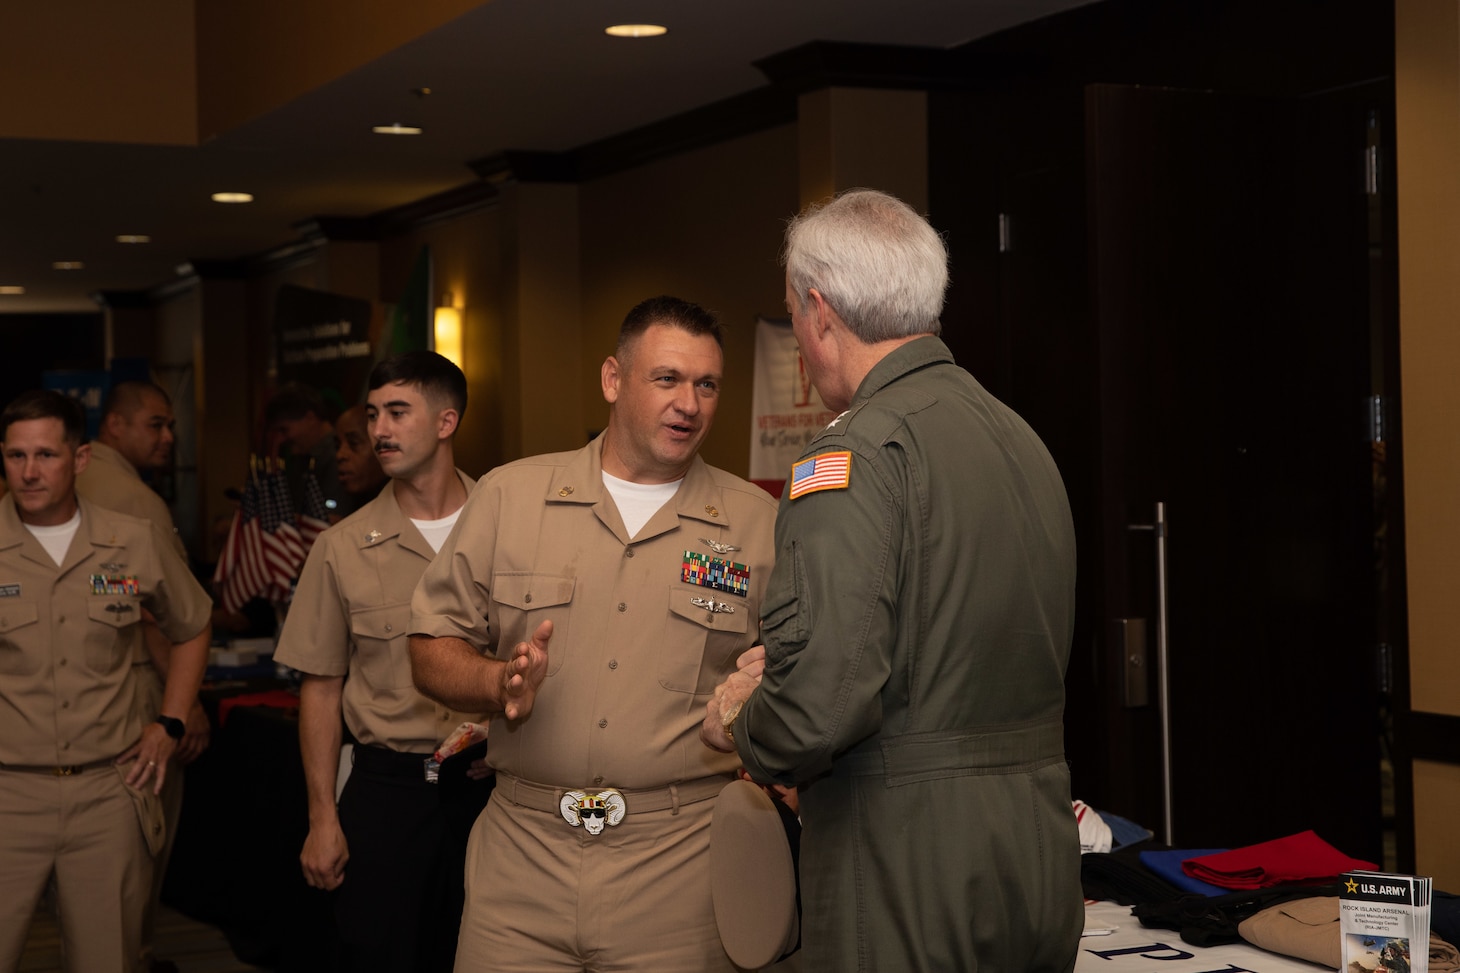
(173, 726)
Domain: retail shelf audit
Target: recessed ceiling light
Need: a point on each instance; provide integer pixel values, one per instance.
(635, 30)
(67, 265)
(396, 128)
(133, 238)
(233, 197)
(11, 289)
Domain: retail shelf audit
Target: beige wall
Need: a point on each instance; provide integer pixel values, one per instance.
(99, 71)
(468, 257)
(858, 137)
(256, 55)
(705, 226)
(1427, 96)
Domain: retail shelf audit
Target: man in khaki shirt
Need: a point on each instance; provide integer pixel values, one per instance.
(136, 433)
(392, 851)
(591, 600)
(80, 768)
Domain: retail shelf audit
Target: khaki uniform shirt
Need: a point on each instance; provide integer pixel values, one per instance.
(350, 617)
(68, 634)
(111, 481)
(633, 657)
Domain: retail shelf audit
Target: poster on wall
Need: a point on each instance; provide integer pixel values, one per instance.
(785, 410)
(324, 341)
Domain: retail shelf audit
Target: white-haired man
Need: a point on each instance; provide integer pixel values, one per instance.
(918, 697)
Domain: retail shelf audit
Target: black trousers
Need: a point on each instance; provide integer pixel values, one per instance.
(399, 906)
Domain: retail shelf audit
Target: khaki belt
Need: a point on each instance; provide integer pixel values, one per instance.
(62, 771)
(545, 797)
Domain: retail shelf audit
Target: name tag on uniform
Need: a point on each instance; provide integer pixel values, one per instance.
(10, 590)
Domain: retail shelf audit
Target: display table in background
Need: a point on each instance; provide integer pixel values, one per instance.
(235, 863)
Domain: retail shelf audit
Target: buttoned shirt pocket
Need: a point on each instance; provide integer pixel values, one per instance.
(522, 602)
(17, 624)
(381, 650)
(111, 630)
(706, 632)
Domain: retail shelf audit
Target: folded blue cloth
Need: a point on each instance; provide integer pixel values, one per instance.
(1167, 864)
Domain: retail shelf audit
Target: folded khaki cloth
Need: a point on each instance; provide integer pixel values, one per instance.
(1308, 929)
(1305, 928)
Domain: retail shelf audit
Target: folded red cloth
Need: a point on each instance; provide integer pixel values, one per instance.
(1300, 859)
(278, 698)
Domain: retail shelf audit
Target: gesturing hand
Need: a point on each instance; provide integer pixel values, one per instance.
(524, 672)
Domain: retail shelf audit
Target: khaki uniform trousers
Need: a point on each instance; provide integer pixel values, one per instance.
(86, 828)
(542, 895)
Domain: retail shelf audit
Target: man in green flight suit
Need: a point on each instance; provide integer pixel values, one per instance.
(917, 626)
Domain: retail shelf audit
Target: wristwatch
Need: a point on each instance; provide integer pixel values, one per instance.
(727, 718)
(173, 726)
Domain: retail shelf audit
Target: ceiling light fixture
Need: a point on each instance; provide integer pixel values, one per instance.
(67, 265)
(412, 110)
(11, 289)
(635, 30)
(233, 197)
(133, 238)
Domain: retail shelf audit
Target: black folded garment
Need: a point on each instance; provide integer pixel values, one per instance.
(1211, 920)
(1120, 877)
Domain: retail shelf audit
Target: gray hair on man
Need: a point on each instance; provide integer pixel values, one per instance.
(881, 266)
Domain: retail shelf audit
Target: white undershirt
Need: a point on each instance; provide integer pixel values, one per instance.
(637, 502)
(435, 531)
(57, 539)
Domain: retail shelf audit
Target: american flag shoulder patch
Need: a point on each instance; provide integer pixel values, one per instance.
(825, 471)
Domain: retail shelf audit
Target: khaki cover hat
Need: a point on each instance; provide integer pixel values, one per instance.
(752, 877)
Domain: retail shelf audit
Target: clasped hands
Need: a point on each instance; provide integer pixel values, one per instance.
(729, 696)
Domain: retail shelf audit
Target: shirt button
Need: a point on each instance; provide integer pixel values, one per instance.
(527, 598)
(598, 782)
(602, 724)
(66, 745)
(61, 662)
(623, 607)
(613, 663)
(628, 552)
(389, 628)
(65, 704)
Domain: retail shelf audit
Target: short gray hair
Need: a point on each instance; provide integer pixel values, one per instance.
(881, 266)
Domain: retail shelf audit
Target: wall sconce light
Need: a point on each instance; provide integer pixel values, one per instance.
(447, 329)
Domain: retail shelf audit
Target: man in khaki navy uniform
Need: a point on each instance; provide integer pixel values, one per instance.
(80, 767)
(394, 849)
(136, 433)
(591, 600)
(917, 629)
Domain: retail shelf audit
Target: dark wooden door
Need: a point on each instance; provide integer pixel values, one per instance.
(1228, 294)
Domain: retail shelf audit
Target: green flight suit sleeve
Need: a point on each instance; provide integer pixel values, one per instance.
(829, 622)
